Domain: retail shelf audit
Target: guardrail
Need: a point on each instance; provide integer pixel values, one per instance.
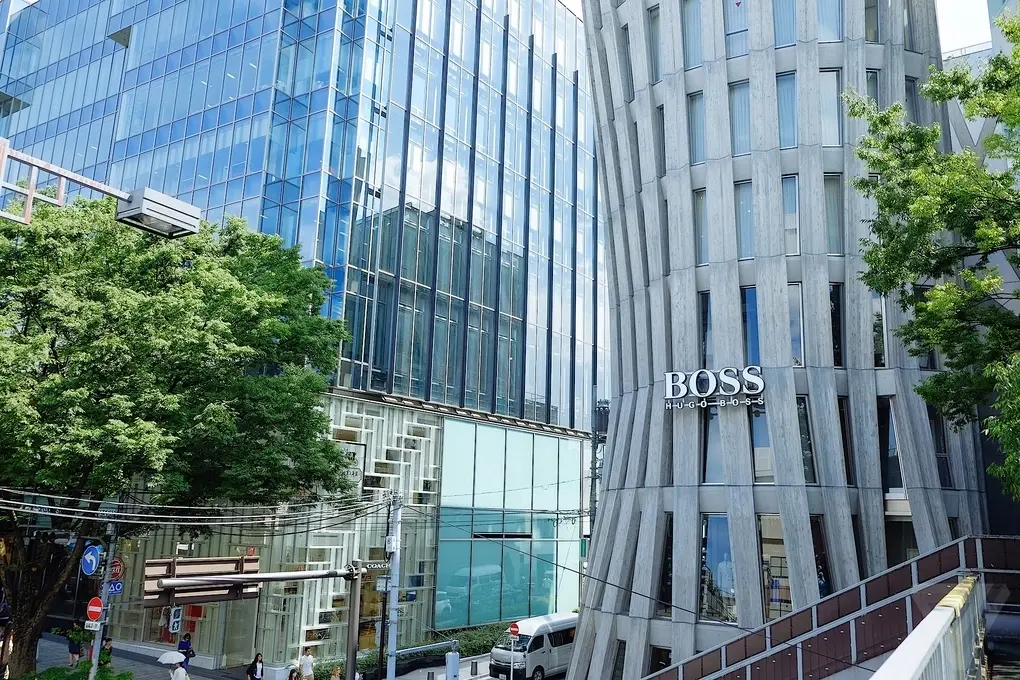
(946, 643)
(860, 623)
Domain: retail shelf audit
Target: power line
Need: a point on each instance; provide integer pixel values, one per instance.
(631, 591)
(98, 501)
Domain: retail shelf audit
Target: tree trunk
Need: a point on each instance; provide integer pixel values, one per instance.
(26, 635)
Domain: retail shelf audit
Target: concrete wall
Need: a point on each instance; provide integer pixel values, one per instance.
(653, 459)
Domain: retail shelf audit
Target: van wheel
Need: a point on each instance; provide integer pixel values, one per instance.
(539, 674)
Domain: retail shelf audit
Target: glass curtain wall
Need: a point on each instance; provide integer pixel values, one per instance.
(509, 527)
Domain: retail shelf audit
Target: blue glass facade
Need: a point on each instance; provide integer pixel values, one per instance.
(436, 156)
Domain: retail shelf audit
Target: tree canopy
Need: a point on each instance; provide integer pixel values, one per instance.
(194, 367)
(951, 222)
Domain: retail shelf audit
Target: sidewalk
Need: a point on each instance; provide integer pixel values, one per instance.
(53, 652)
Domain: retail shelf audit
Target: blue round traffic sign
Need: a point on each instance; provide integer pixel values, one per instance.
(90, 560)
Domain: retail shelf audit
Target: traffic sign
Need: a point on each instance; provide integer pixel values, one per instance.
(118, 569)
(116, 588)
(514, 629)
(90, 559)
(95, 609)
(93, 625)
(176, 615)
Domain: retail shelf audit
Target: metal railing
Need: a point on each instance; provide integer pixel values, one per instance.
(946, 644)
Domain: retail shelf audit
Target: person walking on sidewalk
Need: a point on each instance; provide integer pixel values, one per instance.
(307, 663)
(254, 671)
(74, 644)
(184, 647)
(179, 672)
(106, 653)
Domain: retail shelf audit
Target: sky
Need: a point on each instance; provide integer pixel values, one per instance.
(962, 23)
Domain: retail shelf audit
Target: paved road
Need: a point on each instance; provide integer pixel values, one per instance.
(54, 653)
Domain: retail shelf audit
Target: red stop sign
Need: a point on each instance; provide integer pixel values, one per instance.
(95, 609)
(117, 570)
(515, 629)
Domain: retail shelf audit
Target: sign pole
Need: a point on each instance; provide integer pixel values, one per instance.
(393, 547)
(353, 619)
(97, 643)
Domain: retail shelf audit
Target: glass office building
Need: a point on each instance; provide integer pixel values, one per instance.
(437, 157)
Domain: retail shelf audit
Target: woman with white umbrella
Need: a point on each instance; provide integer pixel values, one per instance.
(178, 671)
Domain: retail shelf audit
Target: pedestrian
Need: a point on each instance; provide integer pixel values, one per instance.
(254, 671)
(74, 644)
(106, 652)
(335, 675)
(293, 675)
(178, 672)
(184, 647)
(307, 663)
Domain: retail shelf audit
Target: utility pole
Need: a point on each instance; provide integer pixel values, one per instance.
(380, 668)
(353, 577)
(393, 548)
(104, 594)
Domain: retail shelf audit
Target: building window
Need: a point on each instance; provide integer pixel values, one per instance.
(740, 118)
(654, 47)
(900, 541)
(659, 659)
(660, 141)
(862, 563)
(735, 23)
(786, 97)
(871, 21)
(807, 449)
(832, 109)
(830, 20)
(892, 478)
(908, 31)
(620, 660)
(761, 445)
(692, 33)
(700, 228)
(938, 437)
(872, 85)
(664, 607)
(878, 328)
(836, 314)
(796, 324)
(910, 104)
(749, 314)
(718, 599)
(791, 218)
(775, 568)
(705, 312)
(696, 126)
(821, 556)
(626, 67)
(834, 213)
(743, 203)
(712, 469)
(954, 527)
(929, 360)
(843, 404)
(784, 22)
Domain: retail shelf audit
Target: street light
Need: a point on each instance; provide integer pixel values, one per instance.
(146, 209)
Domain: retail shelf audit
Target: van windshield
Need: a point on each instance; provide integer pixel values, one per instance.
(504, 642)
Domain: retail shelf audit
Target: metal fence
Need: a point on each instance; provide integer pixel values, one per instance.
(946, 644)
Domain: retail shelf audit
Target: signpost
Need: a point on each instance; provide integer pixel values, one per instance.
(118, 570)
(116, 588)
(90, 559)
(514, 631)
(94, 610)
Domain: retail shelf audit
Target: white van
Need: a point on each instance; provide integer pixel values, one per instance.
(542, 649)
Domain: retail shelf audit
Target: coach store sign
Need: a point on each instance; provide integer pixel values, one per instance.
(703, 388)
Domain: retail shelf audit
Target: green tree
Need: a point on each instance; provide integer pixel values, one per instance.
(947, 220)
(194, 367)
